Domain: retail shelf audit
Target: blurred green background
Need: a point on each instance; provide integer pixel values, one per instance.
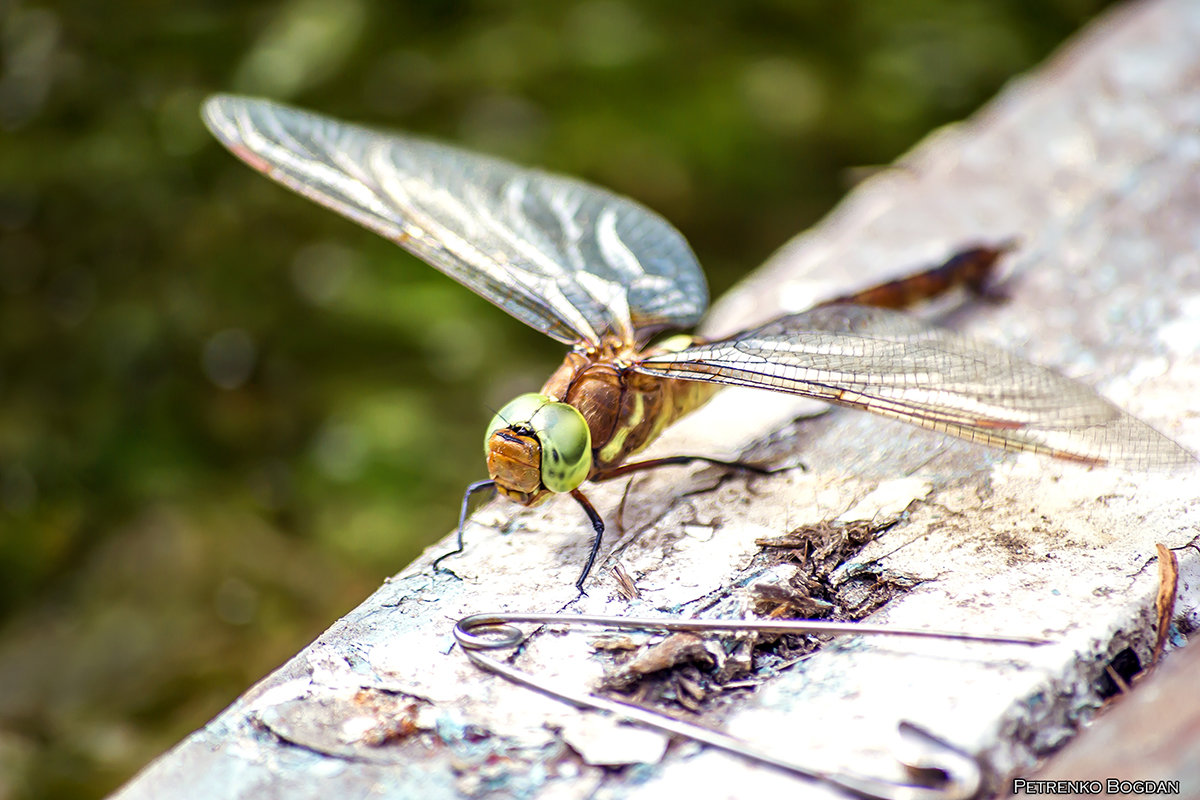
(226, 414)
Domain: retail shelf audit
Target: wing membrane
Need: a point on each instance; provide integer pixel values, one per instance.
(898, 366)
(569, 259)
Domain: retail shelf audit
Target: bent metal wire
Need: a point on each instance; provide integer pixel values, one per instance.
(958, 774)
(605, 276)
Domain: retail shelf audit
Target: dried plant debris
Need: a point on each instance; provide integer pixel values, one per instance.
(676, 649)
(625, 583)
(615, 642)
(867, 588)
(739, 661)
(826, 538)
(1118, 674)
(823, 546)
(804, 577)
(1164, 603)
(815, 587)
(681, 672)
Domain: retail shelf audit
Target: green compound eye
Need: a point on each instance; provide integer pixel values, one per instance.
(560, 430)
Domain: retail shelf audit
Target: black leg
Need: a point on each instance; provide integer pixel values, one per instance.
(639, 466)
(473, 489)
(669, 461)
(598, 527)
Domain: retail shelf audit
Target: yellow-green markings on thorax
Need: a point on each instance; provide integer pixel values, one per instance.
(560, 429)
(676, 343)
(612, 451)
(684, 397)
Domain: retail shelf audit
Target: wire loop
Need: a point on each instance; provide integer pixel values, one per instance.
(938, 769)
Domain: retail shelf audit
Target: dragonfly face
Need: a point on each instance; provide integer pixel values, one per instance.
(535, 445)
(604, 275)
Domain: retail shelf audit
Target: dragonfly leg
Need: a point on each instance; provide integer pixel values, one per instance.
(639, 466)
(598, 527)
(971, 268)
(473, 489)
(670, 461)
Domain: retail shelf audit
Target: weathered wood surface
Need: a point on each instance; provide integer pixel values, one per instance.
(1094, 163)
(1150, 735)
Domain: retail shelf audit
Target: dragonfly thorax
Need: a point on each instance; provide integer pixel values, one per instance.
(535, 445)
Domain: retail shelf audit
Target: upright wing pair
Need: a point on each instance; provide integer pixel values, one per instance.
(585, 266)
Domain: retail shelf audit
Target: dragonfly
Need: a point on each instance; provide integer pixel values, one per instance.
(609, 278)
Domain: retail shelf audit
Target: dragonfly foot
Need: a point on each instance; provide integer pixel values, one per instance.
(438, 569)
(598, 527)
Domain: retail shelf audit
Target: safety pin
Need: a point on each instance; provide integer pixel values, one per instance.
(945, 771)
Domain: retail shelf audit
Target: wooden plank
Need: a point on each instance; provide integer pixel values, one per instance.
(1092, 163)
(1149, 736)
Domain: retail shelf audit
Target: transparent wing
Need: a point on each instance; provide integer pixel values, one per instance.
(898, 366)
(572, 260)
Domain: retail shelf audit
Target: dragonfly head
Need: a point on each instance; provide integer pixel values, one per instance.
(535, 445)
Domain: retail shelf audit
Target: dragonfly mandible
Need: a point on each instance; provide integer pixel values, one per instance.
(606, 277)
